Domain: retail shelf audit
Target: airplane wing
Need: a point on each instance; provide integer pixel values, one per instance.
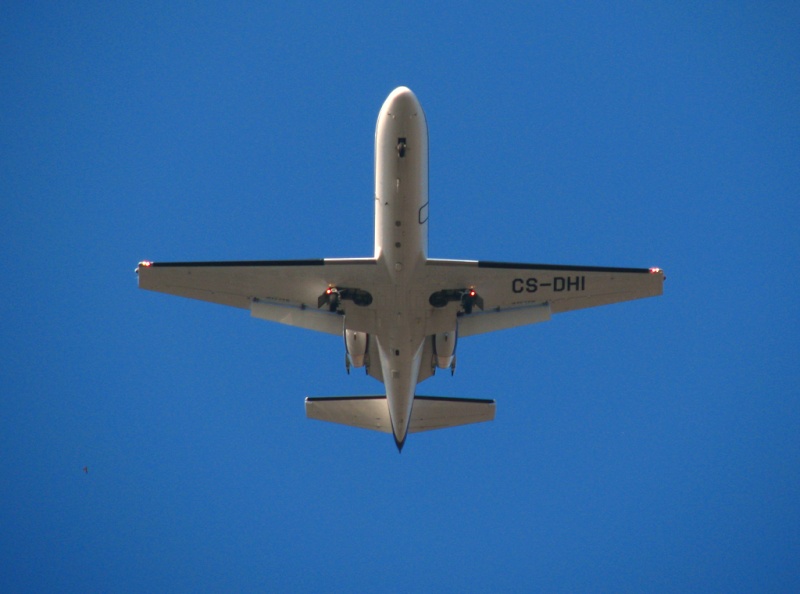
(512, 294)
(285, 291)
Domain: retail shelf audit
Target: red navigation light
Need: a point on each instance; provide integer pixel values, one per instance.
(146, 264)
(472, 293)
(655, 270)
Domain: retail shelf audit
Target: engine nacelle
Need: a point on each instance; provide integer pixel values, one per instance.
(444, 348)
(356, 344)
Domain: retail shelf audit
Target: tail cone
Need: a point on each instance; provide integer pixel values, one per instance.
(399, 443)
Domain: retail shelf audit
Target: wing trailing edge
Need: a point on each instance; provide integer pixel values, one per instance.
(502, 319)
(320, 320)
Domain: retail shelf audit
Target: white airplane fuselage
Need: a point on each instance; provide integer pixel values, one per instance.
(401, 246)
(400, 312)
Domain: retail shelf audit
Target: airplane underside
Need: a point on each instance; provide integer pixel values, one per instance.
(400, 312)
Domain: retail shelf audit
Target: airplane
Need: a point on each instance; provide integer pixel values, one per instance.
(400, 313)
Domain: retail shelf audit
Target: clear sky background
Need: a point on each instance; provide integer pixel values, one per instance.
(647, 446)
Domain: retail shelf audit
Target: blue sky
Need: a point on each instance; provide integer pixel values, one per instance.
(648, 446)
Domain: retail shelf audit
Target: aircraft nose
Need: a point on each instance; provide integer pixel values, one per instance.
(402, 102)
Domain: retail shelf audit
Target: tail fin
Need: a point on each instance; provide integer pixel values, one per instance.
(427, 412)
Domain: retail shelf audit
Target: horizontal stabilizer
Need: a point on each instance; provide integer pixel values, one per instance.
(367, 412)
(427, 413)
(432, 412)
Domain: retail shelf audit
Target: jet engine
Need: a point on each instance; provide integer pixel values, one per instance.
(444, 349)
(356, 344)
